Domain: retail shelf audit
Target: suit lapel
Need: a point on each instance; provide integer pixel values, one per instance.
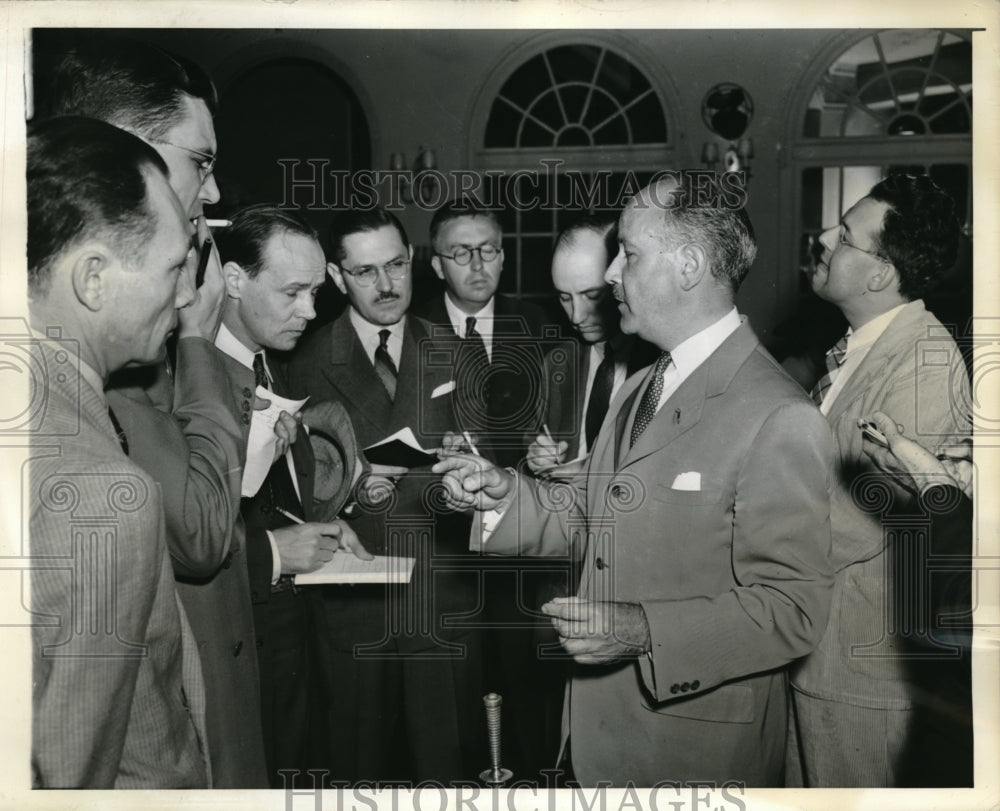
(349, 363)
(407, 384)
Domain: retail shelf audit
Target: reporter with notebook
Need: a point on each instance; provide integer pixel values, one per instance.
(273, 266)
(404, 685)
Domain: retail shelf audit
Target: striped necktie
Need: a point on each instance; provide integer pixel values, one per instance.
(834, 360)
(384, 366)
(650, 398)
(600, 395)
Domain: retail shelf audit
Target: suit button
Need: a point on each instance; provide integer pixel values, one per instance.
(685, 687)
(246, 405)
(674, 688)
(695, 684)
(247, 393)
(228, 561)
(600, 564)
(617, 491)
(237, 648)
(246, 419)
(260, 643)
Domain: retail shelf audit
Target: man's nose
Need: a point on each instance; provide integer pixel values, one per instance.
(382, 281)
(577, 313)
(829, 238)
(477, 261)
(209, 193)
(307, 307)
(613, 274)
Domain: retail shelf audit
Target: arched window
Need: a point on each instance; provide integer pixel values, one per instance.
(563, 128)
(875, 104)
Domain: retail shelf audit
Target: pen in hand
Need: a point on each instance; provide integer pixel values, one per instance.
(470, 443)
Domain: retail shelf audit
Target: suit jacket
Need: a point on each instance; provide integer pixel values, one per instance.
(564, 382)
(259, 557)
(915, 374)
(196, 456)
(333, 365)
(515, 369)
(118, 708)
(734, 577)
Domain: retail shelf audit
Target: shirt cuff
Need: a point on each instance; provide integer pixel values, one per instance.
(275, 558)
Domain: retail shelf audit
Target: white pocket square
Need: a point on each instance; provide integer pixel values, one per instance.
(444, 388)
(687, 481)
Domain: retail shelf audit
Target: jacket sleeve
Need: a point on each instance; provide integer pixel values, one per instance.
(202, 496)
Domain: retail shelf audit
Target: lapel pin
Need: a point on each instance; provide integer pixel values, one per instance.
(677, 417)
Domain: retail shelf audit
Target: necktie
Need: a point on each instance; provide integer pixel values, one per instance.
(478, 357)
(600, 395)
(650, 398)
(384, 366)
(834, 360)
(278, 491)
(122, 439)
(473, 379)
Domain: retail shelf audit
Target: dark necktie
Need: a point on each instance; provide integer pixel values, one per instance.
(834, 360)
(122, 439)
(650, 398)
(600, 395)
(384, 366)
(278, 491)
(473, 379)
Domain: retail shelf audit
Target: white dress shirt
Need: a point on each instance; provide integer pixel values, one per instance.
(484, 322)
(368, 334)
(859, 342)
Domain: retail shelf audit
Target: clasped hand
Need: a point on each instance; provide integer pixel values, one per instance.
(469, 480)
(599, 632)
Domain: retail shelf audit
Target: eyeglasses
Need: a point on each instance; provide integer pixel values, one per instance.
(463, 255)
(366, 275)
(205, 162)
(842, 240)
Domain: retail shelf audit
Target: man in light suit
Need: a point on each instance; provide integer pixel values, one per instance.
(118, 697)
(857, 696)
(181, 420)
(274, 266)
(702, 521)
(402, 671)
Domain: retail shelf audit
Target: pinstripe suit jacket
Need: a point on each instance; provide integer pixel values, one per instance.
(915, 374)
(118, 696)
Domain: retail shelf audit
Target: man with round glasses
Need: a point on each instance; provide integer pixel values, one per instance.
(402, 676)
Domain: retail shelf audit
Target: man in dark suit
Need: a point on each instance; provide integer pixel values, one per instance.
(402, 673)
(701, 521)
(273, 267)
(184, 431)
(579, 385)
(118, 698)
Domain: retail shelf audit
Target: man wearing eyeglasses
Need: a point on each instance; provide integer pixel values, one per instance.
(181, 423)
(403, 682)
(498, 368)
(856, 698)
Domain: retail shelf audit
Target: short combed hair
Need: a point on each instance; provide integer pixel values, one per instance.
(604, 226)
(725, 232)
(244, 241)
(920, 232)
(358, 221)
(86, 180)
(455, 210)
(127, 83)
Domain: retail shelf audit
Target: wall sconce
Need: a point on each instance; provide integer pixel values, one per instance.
(727, 111)
(421, 180)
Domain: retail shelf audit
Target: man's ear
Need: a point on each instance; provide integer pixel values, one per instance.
(333, 269)
(91, 274)
(694, 264)
(883, 278)
(233, 275)
(436, 264)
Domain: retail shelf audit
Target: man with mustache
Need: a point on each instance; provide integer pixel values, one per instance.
(859, 697)
(701, 521)
(403, 682)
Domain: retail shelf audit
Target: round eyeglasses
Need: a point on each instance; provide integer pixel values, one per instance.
(367, 274)
(463, 255)
(205, 161)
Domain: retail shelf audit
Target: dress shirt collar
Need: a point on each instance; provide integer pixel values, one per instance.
(368, 334)
(691, 353)
(226, 342)
(484, 318)
(871, 331)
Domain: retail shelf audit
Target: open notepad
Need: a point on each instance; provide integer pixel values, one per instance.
(344, 567)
